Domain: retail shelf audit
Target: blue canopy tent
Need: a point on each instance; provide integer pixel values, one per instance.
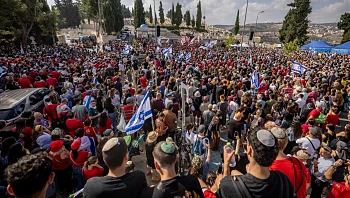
(143, 26)
(317, 46)
(343, 48)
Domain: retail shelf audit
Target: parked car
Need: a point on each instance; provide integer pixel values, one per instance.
(13, 103)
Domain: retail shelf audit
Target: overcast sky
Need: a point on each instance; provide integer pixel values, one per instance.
(224, 12)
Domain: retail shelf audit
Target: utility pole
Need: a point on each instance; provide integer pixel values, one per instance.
(245, 19)
(100, 24)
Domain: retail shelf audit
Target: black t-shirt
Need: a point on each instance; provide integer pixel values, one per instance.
(235, 127)
(129, 185)
(262, 188)
(171, 188)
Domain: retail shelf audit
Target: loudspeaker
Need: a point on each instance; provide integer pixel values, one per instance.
(251, 35)
(158, 31)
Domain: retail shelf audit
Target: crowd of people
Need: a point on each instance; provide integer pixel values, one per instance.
(284, 135)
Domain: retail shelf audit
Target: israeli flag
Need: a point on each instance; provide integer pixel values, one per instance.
(168, 51)
(254, 79)
(126, 51)
(167, 41)
(159, 41)
(188, 57)
(181, 55)
(138, 119)
(157, 49)
(96, 81)
(22, 51)
(298, 68)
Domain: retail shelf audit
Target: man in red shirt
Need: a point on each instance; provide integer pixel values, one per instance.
(56, 74)
(39, 83)
(292, 167)
(143, 81)
(25, 82)
(89, 130)
(73, 123)
(51, 81)
(317, 112)
(50, 111)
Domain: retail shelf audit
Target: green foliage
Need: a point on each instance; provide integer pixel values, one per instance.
(193, 22)
(291, 46)
(21, 19)
(295, 23)
(168, 14)
(126, 12)
(344, 24)
(172, 15)
(113, 16)
(187, 18)
(150, 14)
(230, 41)
(178, 15)
(236, 28)
(69, 16)
(161, 13)
(139, 13)
(199, 15)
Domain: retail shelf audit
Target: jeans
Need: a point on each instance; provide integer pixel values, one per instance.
(78, 173)
(113, 116)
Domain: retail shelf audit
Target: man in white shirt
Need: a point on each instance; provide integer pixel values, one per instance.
(300, 101)
(311, 143)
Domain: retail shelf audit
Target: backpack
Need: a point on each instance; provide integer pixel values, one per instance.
(62, 121)
(198, 147)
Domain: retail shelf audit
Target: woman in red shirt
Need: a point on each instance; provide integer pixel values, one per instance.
(73, 123)
(25, 133)
(78, 159)
(92, 169)
(332, 117)
(61, 165)
(104, 122)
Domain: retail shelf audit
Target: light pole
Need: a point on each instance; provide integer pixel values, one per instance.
(256, 24)
(245, 19)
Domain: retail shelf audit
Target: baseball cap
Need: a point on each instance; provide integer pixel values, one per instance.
(313, 130)
(201, 128)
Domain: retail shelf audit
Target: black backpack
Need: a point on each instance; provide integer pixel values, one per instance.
(62, 121)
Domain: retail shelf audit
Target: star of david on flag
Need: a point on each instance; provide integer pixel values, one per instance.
(138, 119)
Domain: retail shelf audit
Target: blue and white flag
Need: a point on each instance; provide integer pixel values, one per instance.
(181, 55)
(298, 68)
(157, 49)
(168, 51)
(188, 57)
(167, 41)
(22, 51)
(159, 41)
(138, 119)
(254, 79)
(96, 81)
(126, 51)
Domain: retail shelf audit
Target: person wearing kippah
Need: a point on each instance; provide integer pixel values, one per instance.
(171, 185)
(262, 150)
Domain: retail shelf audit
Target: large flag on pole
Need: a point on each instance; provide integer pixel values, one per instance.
(298, 68)
(254, 79)
(138, 119)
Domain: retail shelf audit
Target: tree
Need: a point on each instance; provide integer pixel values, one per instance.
(236, 28)
(199, 15)
(113, 16)
(168, 14)
(187, 18)
(295, 23)
(178, 15)
(126, 12)
(69, 15)
(172, 15)
(344, 24)
(161, 13)
(291, 46)
(230, 41)
(193, 22)
(150, 14)
(139, 13)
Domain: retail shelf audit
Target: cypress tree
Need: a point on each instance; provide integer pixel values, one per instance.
(236, 29)
(199, 15)
(161, 13)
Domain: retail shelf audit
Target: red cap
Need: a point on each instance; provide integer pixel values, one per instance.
(55, 146)
(76, 144)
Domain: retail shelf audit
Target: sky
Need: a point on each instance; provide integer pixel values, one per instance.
(223, 12)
